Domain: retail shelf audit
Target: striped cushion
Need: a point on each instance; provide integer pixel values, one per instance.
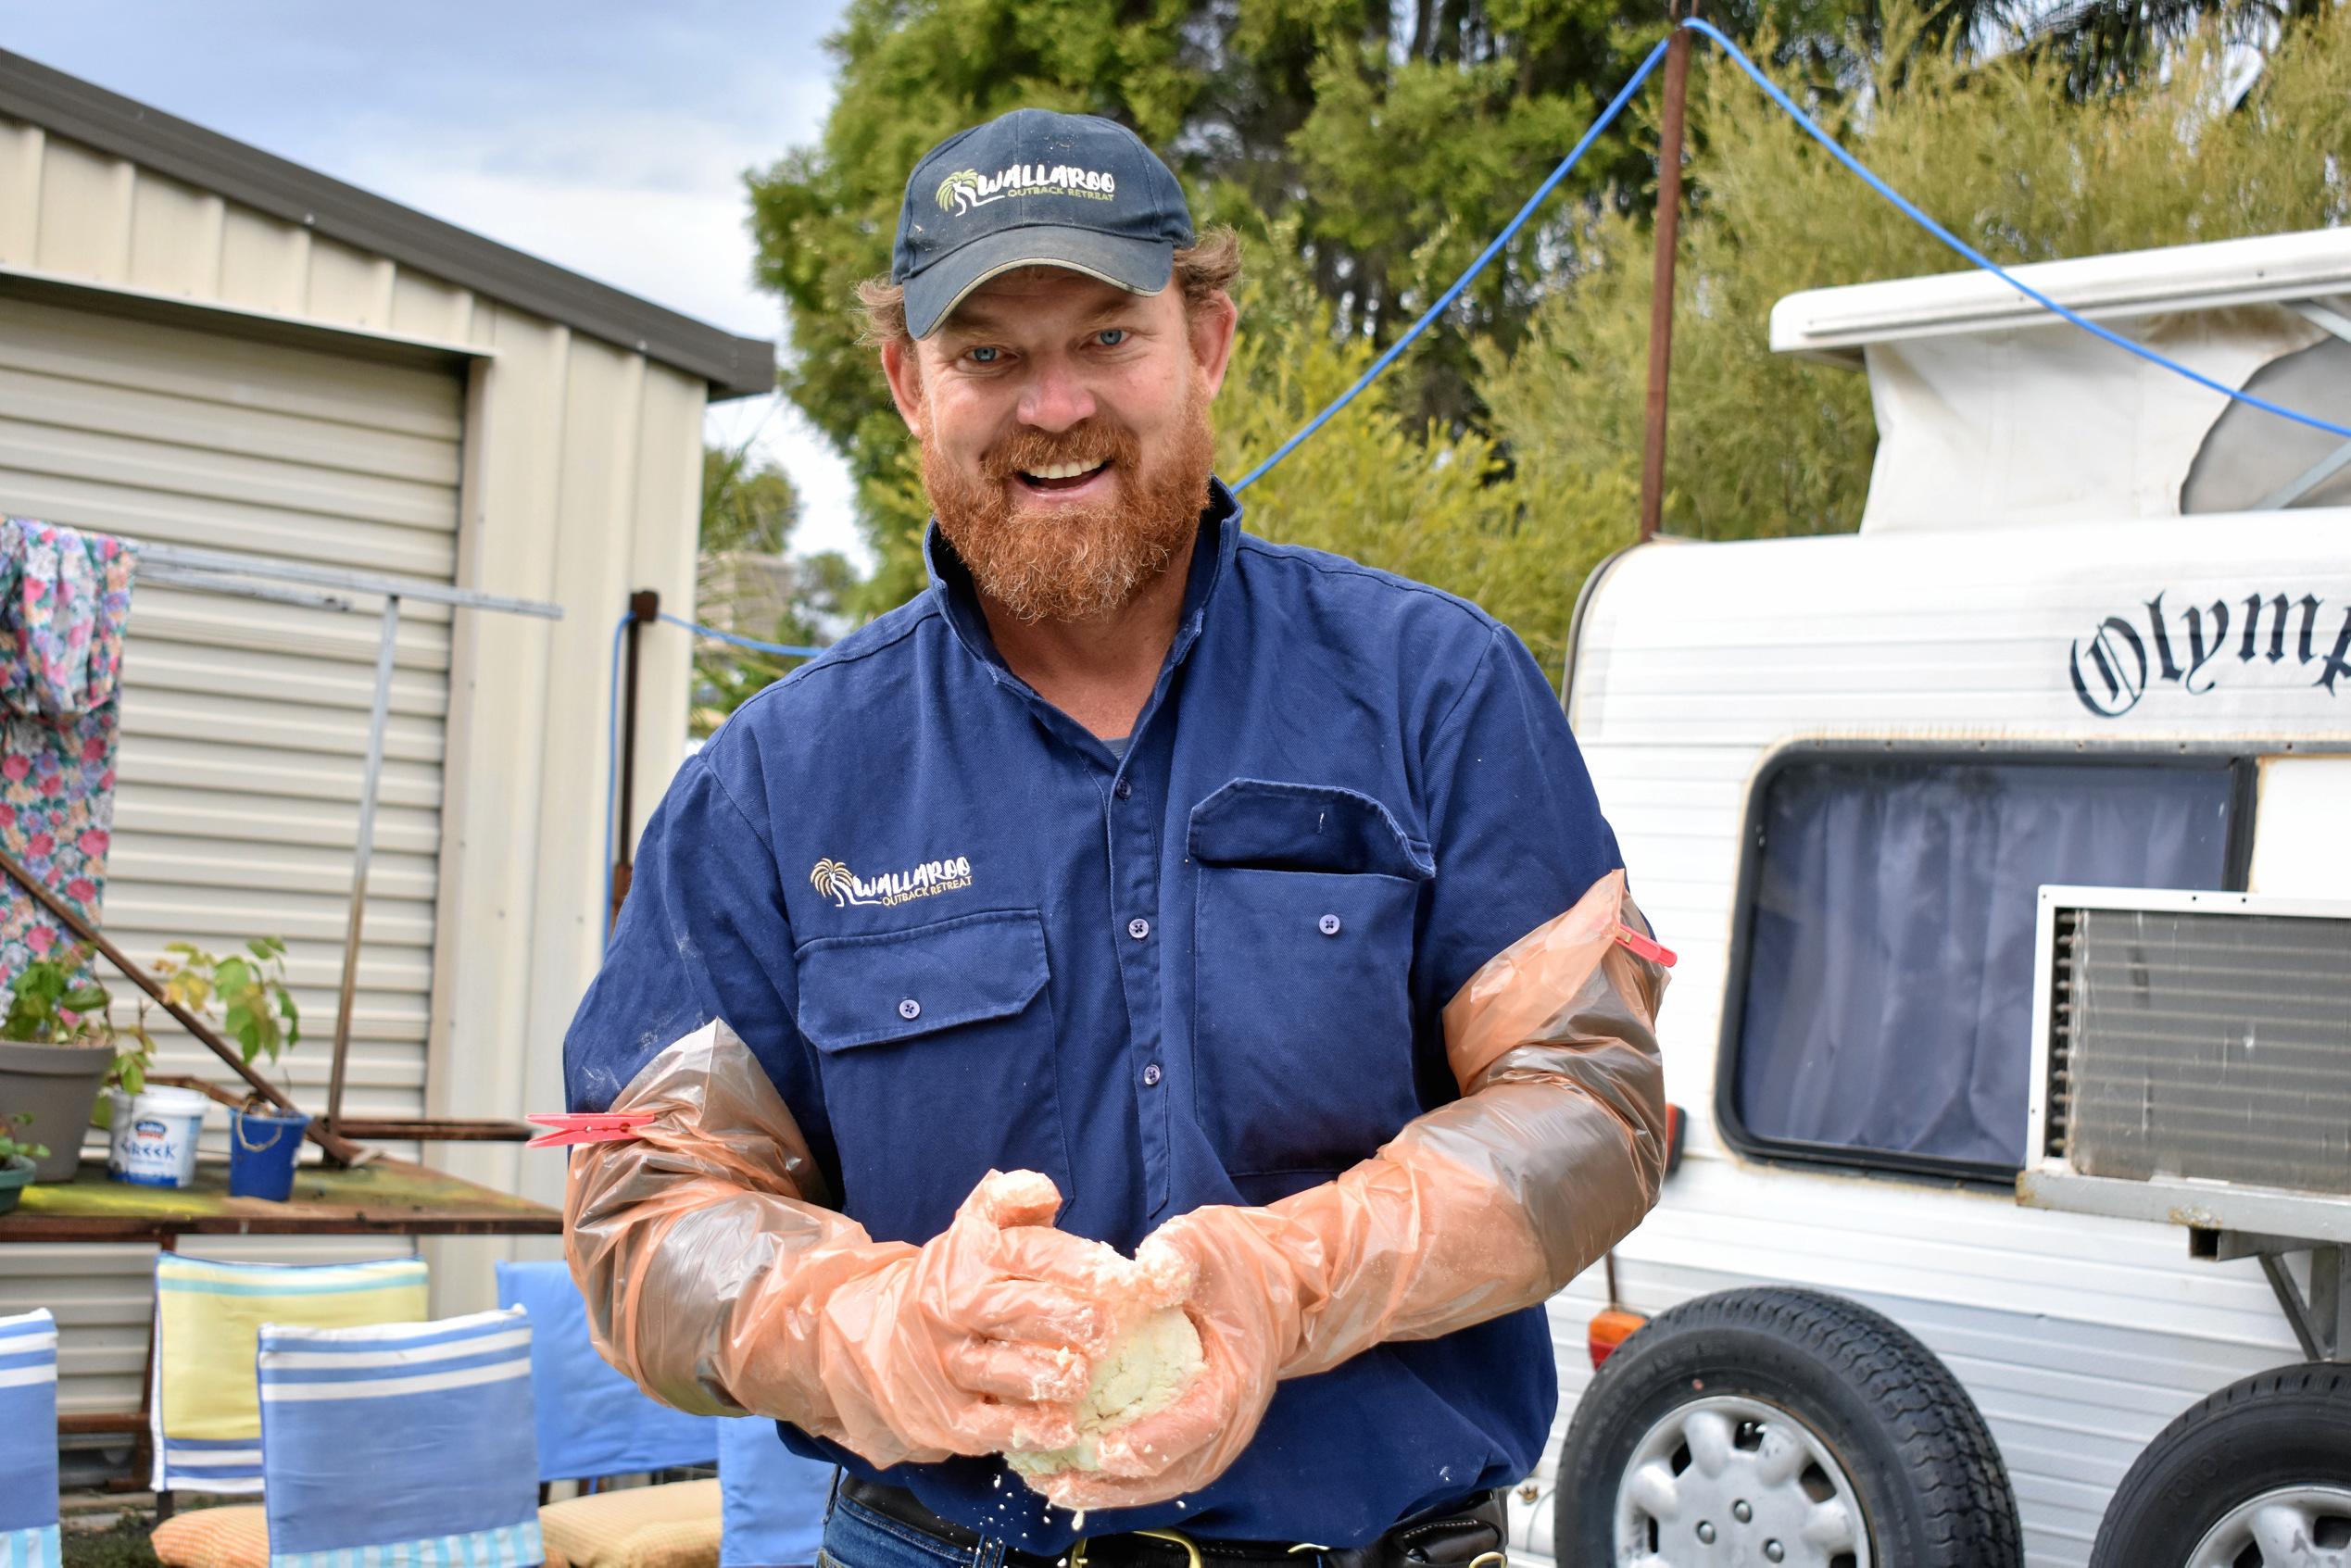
(208, 1315)
(29, 1441)
(400, 1444)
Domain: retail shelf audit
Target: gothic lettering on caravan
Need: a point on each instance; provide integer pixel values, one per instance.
(2190, 648)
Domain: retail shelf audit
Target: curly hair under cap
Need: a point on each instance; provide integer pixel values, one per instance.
(1203, 269)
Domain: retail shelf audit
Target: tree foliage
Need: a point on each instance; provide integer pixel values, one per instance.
(748, 581)
(1763, 444)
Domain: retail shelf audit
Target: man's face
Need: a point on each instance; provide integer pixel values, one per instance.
(1065, 437)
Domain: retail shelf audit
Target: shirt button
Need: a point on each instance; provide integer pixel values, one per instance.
(1150, 1076)
(1122, 789)
(1139, 928)
(909, 1009)
(1327, 925)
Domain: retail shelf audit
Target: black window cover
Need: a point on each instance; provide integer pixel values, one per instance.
(1885, 999)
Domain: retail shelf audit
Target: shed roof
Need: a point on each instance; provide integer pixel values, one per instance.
(83, 112)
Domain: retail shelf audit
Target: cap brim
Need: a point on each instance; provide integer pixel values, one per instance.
(1137, 266)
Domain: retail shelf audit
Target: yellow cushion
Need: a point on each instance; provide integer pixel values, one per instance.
(669, 1526)
(214, 1538)
(232, 1538)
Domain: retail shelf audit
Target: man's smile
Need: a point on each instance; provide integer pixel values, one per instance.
(1064, 481)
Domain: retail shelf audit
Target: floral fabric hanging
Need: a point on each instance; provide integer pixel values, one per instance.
(64, 597)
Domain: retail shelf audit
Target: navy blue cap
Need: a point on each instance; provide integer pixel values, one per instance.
(1033, 188)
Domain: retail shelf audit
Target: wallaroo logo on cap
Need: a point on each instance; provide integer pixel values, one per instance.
(846, 888)
(968, 188)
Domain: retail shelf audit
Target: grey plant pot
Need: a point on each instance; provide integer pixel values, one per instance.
(15, 1176)
(59, 1085)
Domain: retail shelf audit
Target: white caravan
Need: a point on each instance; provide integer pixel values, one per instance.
(2096, 629)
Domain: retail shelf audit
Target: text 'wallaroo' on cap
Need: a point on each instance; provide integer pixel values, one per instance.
(1034, 189)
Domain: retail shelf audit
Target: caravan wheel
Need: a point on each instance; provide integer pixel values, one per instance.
(2256, 1477)
(1780, 1426)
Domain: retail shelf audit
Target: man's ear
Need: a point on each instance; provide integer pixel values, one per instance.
(1211, 329)
(899, 363)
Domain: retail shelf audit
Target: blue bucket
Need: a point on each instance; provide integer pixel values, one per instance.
(262, 1146)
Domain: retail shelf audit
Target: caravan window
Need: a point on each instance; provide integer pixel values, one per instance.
(1881, 998)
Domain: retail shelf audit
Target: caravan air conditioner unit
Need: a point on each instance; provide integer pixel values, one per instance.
(2191, 1061)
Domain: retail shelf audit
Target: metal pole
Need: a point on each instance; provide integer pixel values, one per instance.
(367, 782)
(338, 1148)
(645, 606)
(1661, 271)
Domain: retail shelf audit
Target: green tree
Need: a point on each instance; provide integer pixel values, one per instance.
(1766, 444)
(748, 582)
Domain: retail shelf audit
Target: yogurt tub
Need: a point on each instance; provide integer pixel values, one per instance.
(153, 1141)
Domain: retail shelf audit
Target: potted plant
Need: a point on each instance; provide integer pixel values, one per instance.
(18, 1158)
(56, 1048)
(257, 1011)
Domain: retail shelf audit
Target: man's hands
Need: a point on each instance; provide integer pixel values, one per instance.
(982, 1339)
(1245, 1302)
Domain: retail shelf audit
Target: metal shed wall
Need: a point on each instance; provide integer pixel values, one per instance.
(577, 480)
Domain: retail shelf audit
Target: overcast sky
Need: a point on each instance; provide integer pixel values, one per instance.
(608, 136)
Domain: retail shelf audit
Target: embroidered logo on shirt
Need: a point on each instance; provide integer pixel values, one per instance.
(846, 888)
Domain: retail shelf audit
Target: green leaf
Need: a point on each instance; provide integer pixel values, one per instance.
(258, 946)
(90, 999)
(231, 975)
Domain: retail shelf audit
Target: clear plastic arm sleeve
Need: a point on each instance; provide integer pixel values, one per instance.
(705, 1251)
(1492, 1204)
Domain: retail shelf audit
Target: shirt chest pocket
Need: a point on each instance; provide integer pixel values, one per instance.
(1303, 948)
(936, 1049)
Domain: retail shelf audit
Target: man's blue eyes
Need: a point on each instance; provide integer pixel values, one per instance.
(1109, 337)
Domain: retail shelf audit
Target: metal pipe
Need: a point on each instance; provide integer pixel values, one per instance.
(645, 608)
(368, 780)
(1661, 271)
(336, 1147)
(332, 577)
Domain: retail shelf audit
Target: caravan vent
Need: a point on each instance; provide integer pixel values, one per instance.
(2204, 1047)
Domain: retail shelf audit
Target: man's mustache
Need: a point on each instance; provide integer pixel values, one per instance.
(1091, 441)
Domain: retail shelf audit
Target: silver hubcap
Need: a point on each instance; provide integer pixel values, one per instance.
(1736, 1483)
(2292, 1527)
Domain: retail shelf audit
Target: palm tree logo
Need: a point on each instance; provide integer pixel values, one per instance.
(833, 879)
(950, 199)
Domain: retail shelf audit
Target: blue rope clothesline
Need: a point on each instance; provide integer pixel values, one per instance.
(1811, 128)
(1543, 192)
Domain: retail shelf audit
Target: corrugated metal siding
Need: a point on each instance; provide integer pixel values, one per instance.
(2079, 1337)
(244, 723)
(582, 467)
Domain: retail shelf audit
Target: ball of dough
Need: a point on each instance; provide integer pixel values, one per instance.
(1146, 1368)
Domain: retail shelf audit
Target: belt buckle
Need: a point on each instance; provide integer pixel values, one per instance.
(1191, 1549)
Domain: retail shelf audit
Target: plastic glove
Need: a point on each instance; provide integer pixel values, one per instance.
(1482, 1207)
(717, 1278)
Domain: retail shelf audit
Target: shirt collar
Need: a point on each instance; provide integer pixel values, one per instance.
(1212, 550)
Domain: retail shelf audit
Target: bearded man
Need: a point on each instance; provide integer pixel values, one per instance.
(1148, 918)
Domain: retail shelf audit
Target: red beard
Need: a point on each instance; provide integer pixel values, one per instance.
(1074, 560)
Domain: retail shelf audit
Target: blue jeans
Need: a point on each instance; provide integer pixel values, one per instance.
(858, 1537)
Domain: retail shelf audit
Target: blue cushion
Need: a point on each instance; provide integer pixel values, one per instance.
(772, 1500)
(29, 1441)
(409, 1444)
(592, 1421)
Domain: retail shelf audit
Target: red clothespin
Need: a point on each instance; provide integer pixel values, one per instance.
(1647, 948)
(607, 1126)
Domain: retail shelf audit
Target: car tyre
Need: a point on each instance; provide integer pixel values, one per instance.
(1789, 1421)
(2239, 1476)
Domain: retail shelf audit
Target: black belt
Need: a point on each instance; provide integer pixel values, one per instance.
(1474, 1534)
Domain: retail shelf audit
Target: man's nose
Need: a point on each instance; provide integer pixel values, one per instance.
(1055, 398)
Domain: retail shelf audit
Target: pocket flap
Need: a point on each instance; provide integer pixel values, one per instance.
(1303, 828)
(898, 984)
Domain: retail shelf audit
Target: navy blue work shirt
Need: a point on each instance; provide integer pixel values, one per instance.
(961, 933)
